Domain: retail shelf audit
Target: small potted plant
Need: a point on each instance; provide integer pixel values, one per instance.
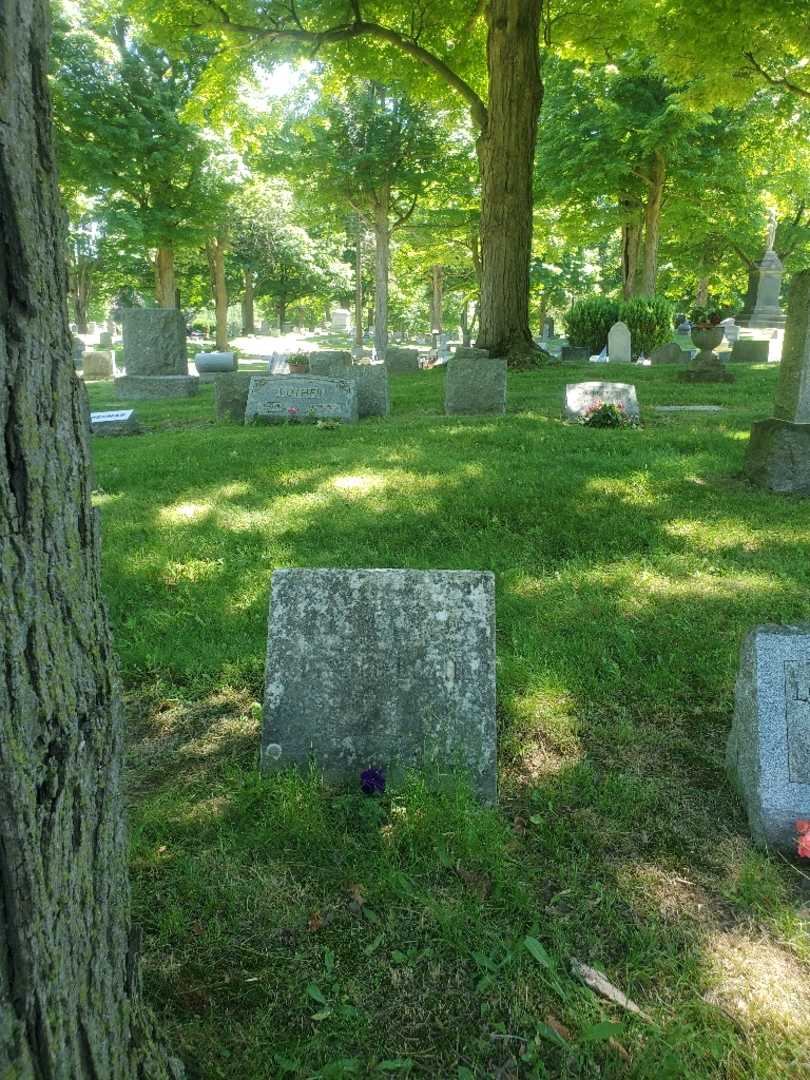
(299, 363)
(707, 333)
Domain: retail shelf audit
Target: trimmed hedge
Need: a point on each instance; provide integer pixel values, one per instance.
(649, 319)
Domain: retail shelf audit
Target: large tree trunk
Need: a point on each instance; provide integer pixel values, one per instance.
(281, 312)
(652, 223)
(631, 244)
(248, 314)
(80, 280)
(358, 285)
(70, 1004)
(216, 265)
(506, 159)
(382, 238)
(165, 284)
(436, 299)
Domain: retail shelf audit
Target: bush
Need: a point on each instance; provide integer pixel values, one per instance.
(606, 414)
(588, 322)
(649, 319)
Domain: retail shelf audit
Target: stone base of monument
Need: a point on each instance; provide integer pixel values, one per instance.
(768, 753)
(230, 395)
(155, 387)
(706, 368)
(778, 457)
(371, 381)
(475, 386)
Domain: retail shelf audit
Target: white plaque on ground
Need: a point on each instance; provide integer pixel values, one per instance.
(579, 397)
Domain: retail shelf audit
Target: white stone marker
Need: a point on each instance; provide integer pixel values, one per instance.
(118, 422)
(619, 344)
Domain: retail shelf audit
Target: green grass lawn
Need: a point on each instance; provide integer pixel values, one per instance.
(290, 930)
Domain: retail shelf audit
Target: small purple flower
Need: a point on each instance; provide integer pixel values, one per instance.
(372, 781)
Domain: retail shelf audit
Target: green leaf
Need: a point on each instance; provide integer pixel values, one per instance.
(322, 1015)
(546, 1032)
(315, 993)
(396, 1065)
(374, 945)
(539, 953)
(601, 1032)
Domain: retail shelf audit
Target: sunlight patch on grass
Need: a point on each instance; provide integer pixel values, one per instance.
(756, 980)
(726, 534)
(636, 489)
(182, 513)
(358, 485)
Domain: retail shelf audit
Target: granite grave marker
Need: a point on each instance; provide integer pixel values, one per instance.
(385, 669)
(277, 398)
(579, 397)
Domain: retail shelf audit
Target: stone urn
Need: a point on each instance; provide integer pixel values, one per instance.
(298, 367)
(707, 365)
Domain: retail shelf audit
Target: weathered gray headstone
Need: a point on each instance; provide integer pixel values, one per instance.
(579, 397)
(619, 351)
(278, 364)
(574, 353)
(761, 307)
(208, 362)
(470, 352)
(231, 393)
(475, 387)
(385, 669)
(670, 353)
(778, 455)
(769, 745)
(372, 389)
(105, 338)
(401, 361)
(154, 341)
(155, 387)
(119, 422)
(331, 362)
(277, 398)
(340, 320)
(748, 351)
(97, 365)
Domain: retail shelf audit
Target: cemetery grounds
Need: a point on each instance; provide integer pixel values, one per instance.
(291, 931)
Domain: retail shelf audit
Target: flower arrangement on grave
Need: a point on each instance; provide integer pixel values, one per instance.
(803, 839)
(706, 317)
(299, 363)
(607, 414)
(293, 415)
(327, 425)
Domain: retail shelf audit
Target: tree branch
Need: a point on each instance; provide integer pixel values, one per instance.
(359, 27)
(404, 217)
(785, 83)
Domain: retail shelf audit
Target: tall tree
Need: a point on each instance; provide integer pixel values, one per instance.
(122, 137)
(371, 150)
(70, 1006)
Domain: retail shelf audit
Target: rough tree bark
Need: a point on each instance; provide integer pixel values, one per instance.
(70, 1006)
(702, 291)
(216, 265)
(281, 314)
(248, 312)
(165, 283)
(652, 223)
(631, 244)
(382, 240)
(358, 284)
(80, 281)
(437, 298)
(506, 159)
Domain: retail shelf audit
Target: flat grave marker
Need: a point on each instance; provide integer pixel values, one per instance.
(278, 398)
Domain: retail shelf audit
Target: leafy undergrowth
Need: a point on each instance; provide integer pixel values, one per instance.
(293, 930)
